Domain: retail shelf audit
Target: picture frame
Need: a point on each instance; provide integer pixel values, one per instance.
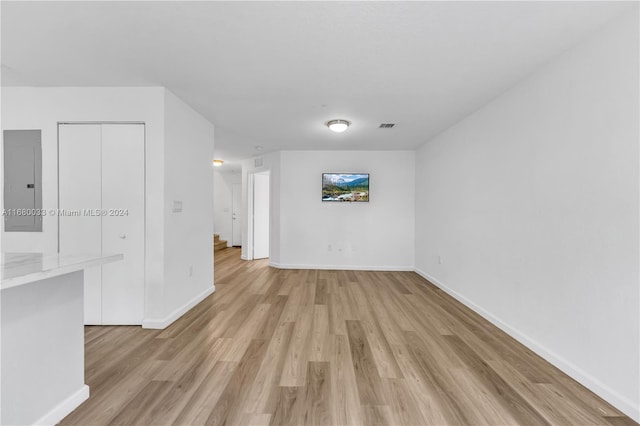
(345, 187)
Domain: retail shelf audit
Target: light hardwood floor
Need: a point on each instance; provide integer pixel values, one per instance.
(326, 348)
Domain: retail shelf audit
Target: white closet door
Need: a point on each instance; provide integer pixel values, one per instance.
(79, 189)
(123, 196)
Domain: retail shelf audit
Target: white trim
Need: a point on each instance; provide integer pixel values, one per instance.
(249, 248)
(344, 267)
(619, 401)
(63, 409)
(243, 257)
(162, 323)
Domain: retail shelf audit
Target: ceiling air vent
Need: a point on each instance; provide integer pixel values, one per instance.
(386, 125)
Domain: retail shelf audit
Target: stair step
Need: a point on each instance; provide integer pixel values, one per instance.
(219, 245)
(216, 238)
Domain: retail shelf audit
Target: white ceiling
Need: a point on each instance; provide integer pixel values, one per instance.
(271, 73)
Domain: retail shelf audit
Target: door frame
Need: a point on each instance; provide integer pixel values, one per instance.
(251, 210)
(236, 223)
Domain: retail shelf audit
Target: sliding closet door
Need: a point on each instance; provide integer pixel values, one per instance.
(123, 196)
(79, 189)
(101, 193)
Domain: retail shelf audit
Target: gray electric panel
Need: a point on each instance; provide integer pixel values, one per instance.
(22, 180)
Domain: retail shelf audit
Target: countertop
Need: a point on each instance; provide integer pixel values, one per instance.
(23, 268)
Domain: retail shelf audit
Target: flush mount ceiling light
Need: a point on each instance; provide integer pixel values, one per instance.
(217, 163)
(338, 126)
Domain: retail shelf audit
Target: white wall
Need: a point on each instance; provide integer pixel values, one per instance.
(532, 204)
(374, 235)
(222, 201)
(190, 139)
(271, 163)
(42, 108)
(188, 265)
(1, 239)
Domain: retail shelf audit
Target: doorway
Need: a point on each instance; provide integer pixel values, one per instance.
(236, 207)
(260, 202)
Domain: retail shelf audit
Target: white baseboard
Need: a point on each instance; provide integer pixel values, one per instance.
(622, 403)
(63, 409)
(344, 267)
(162, 323)
(243, 257)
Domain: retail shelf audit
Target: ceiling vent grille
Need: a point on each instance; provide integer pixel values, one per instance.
(386, 125)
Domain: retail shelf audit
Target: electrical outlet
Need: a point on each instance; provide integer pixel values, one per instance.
(440, 260)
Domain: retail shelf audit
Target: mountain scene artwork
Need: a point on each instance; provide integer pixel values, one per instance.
(345, 187)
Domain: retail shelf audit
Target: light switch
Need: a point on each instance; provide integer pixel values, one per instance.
(177, 206)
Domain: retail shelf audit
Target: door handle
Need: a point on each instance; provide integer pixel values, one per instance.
(233, 216)
(123, 236)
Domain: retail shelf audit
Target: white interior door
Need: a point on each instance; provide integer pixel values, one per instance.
(79, 183)
(101, 192)
(236, 207)
(261, 216)
(123, 198)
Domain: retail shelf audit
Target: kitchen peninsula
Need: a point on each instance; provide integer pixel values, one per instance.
(42, 335)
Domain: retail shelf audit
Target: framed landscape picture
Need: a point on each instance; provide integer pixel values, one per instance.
(345, 187)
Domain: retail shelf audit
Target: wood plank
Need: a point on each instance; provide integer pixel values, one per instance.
(186, 379)
(321, 292)
(345, 400)
(479, 406)
(263, 392)
(137, 410)
(403, 406)
(438, 378)
(246, 333)
(205, 398)
(285, 412)
(425, 394)
(230, 406)
(295, 367)
(319, 334)
(294, 370)
(384, 359)
(337, 318)
(377, 415)
(366, 373)
(316, 404)
(571, 411)
(266, 329)
(491, 382)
